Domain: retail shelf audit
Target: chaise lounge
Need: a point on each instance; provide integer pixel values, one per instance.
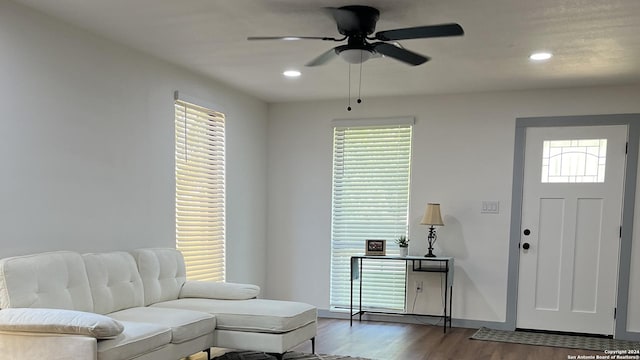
(137, 305)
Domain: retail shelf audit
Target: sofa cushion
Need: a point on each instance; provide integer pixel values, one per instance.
(114, 280)
(136, 339)
(48, 280)
(185, 324)
(256, 315)
(163, 273)
(58, 321)
(219, 290)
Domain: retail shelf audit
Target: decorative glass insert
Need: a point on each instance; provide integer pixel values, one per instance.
(574, 161)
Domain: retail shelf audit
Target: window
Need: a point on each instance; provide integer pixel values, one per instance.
(574, 161)
(200, 190)
(370, 201)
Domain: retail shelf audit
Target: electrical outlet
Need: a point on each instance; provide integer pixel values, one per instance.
(418, 286)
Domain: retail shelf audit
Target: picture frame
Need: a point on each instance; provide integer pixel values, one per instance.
(376, 247)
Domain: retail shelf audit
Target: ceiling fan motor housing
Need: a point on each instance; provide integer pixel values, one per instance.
(366, 16)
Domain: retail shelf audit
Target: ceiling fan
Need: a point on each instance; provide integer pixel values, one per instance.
(357, 23)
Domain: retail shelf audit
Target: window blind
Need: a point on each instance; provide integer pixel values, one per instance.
(371, 168)
(200, 190)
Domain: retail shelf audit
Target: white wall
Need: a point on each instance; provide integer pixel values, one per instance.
(462, 154)
(86, 146)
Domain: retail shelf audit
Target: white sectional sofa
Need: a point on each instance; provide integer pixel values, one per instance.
(137, 305)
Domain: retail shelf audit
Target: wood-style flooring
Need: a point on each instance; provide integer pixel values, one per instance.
(395, 341)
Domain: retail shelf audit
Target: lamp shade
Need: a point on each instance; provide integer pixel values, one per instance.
(432, 215)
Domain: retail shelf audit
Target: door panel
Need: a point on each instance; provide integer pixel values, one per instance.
(572, 205)
(587, 254)
(547, 253)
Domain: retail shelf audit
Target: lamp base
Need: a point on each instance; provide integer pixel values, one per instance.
(431, 239)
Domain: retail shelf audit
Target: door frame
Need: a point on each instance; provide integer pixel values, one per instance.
(631, 167)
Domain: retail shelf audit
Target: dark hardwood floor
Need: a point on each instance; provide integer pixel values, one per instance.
(391, 341)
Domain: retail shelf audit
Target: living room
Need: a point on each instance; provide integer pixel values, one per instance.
(88, 154)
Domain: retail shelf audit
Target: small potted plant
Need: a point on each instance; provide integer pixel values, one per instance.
(403, 243)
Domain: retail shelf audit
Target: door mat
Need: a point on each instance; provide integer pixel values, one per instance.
(254, 355)
(555, 340)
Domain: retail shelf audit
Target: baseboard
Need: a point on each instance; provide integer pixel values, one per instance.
(415, 319)
(627, 335)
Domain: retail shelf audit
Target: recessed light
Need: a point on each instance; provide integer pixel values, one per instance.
(292, 73)
(540, 56)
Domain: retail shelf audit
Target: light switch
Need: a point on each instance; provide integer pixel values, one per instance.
(490, 207)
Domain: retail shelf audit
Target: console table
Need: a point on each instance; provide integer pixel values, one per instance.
(419, 264)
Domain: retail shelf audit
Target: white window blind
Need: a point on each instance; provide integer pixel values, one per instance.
(371, 168)
(200, 190)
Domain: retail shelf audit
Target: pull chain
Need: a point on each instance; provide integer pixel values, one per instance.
(360, 80)
(349, 98)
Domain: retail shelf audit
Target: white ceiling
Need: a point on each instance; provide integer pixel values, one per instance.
(594, 42)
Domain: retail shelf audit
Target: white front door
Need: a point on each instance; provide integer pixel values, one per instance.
(571, 217)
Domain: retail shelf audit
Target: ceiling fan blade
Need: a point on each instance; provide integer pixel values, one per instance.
(421, 32)
(324, 58)
(292, 38)
(404, 55)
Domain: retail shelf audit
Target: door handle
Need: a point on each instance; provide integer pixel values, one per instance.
(526, 246)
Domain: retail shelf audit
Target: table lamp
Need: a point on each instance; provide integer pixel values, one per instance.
(432, 218)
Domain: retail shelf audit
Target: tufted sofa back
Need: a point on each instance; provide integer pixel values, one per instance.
(114, 280)
(163, 273)
(100, 283)
(49, 280)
